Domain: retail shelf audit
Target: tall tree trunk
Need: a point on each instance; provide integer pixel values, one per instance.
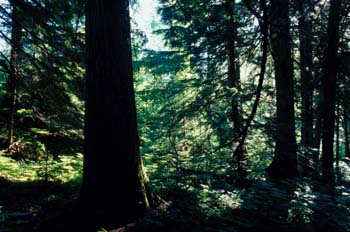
(305, 36)
(307, 88)
(346, 132)
(234, 82)
(113, 189)
(284, 163)
(12, 82)
(329, 90)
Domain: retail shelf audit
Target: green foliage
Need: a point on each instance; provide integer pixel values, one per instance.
(183, 93)
(62, 169)
(184, 106)
(51, 68)
(24, 112)
(38, 131)
(17, 171)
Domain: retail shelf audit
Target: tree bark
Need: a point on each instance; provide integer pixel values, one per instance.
(346, 132)
(307, 87)
(318, 124)
(113, 190)
(337, 136)
(233, 78)
(329, 90)
(305, 37)
(284, 163)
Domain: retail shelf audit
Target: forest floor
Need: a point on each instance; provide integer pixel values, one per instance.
(264, 207)
(33, 192)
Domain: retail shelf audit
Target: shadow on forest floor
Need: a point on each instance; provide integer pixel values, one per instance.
(298, 204)
(23, 203)
(203, 204)
(265, 206)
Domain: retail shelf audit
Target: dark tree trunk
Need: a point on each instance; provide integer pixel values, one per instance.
(233, 78)
(318, 124)
(113, 190)
(305, 36)
(346, 132)
(337, 134)
(306, 66)
(329, 90)
(12, 82)
(284, 163)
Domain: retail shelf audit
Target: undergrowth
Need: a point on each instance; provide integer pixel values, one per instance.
(201, 198)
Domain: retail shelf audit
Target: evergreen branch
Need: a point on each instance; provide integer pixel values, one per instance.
(242, 136)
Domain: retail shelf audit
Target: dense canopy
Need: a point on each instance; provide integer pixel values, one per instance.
(233, 115)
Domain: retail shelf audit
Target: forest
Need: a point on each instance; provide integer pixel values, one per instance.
(209, 116)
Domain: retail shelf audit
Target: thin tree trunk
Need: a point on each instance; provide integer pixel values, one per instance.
(318, 124)
(113, 191)
(337, 137)
(346, 132)
(12, 83)
(233, 78)
(337, 144)
(329, 90)
(263, 24)
(284, 163)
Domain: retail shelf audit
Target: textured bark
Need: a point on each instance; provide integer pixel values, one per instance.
(113, 190)
(284, 163)
(329, 81)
